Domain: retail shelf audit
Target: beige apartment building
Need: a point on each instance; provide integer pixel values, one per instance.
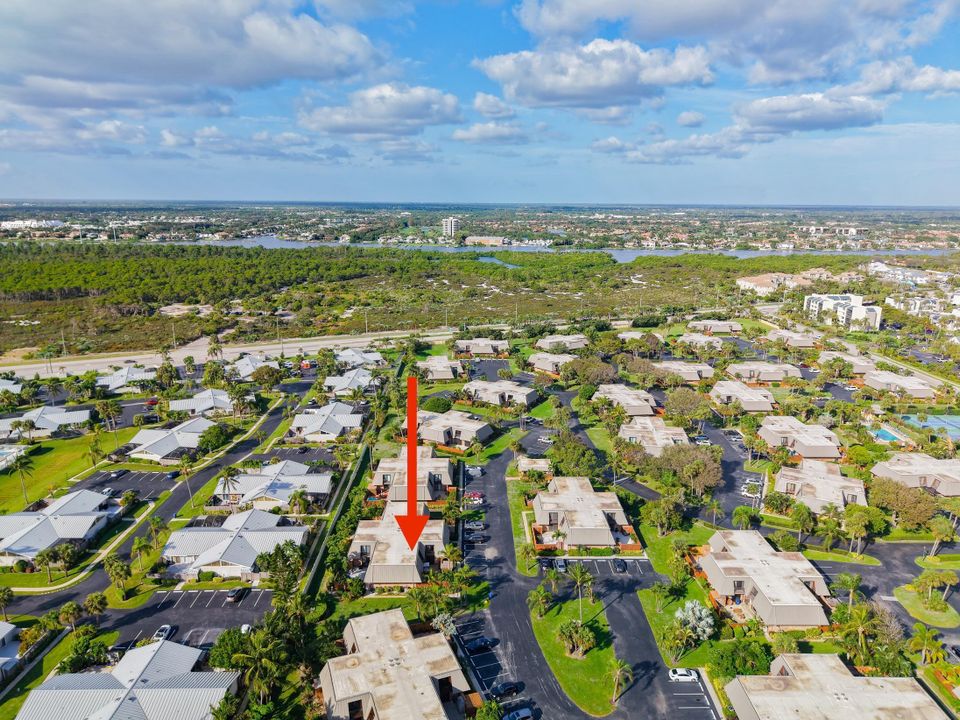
(817, 484)
(714, 327)
(820, 687)
(808, 441)
(501, 392)
(587, 518)
(861, 364)
(751, 399)
(920, 470)
(783, 589)
(691, 372)
(653, 434)
(435, 476)
(763, 372)
(388, 674)
(633, 401)
(481, 346)
(794, 340)
(454, 428)
(699, 340)
(440, 367)
(908, 385)
(563, 342)
(551, 363)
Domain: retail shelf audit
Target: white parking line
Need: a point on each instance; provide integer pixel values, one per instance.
(164, 594)
(260, 595)
(213, 596)
(196, 598)
(182, 596)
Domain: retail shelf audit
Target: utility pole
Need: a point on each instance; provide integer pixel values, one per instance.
(63, 341)
(366, 324)
(279, 337)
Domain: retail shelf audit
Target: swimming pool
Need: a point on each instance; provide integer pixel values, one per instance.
(949, 424)
(9, 453)
(884, 435)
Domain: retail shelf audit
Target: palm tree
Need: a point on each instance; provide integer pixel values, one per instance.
(23, 465)
(830, 530)
(186, 465)
(743, 516)
(263, 661)
(553, 578)
(228, 479)
(621, 672)
(803, 517)
(924, 640)
(70, 613)
(46, 558)
(299, 500)
(539, 600)
(942, 530)
(118, 571)
(94, 605)
(857, 630)
(141, 546)
(157, 526)
(582, 580)
(848, 583)
(715, 508)
(6, 597)
(452, 554)
(527, 554)
(419, 597)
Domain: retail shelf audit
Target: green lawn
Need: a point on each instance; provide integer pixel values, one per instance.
(911, 602)
(658, 548)
(486, 411)
(900, 535)
(425, 389)
(474, 599)
(215, 584)
(201, 495)
(515, 489)
(54, 462)
(495, 448)
(543, 411)
(14, 700)
(586, 681)
(139, 587)
(659, 620)
(840, 556)
(600, 437)
(757, 466)
(937, 562)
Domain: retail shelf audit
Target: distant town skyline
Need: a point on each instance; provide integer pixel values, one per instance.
(610, 102)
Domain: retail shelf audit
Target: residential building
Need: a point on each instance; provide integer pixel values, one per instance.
(501, 392)
(940, 477)
(380, 547)
(9, 649)
(230, 550)
(898, 274)
(46, 421)
(152, 682)
(74, 518)
(207, 403)
(272, 485)
(435, 476)
(908, 385)
(10, 386)
(482, 346)
(355, 357)
(770, 283)
(783, 589)
(794, 340)
(652, 433)
(351, 381)
(846, 310)
(698, 340)
(562, 342)
(486, 240)
(526, 464)
(628, 335)
(861, 364)
(820, 687)
(586, 518)
(388, 674)
(326, 423)
(453, 428)
(691, 372)
(128, 378)
(248, 364)
(808, 441)
(451, 226)
(550, 363)
(817, 484)
(763, 372)
(167, 446)
(714, 327)
(633, 401)
(440, 367)
(751, 399)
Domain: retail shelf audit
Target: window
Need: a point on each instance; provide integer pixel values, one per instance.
(791, 488)
(355, 710)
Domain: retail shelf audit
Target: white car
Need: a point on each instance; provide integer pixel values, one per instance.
(704, 442)
(815, 371)
(163, 632)
(850, 388)
(683, 675)
(546, 440)
(244, 629)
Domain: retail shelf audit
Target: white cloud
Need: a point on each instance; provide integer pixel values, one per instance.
(390, 109)
(808, 111)
(492, 107)
(903, 75)
(600, 74)
(494, 133)
(118, 54)
(212, 140)
(612, 145)
(690, 118)
(362, 9)
(727, 143)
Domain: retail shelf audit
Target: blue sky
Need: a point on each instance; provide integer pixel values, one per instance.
(589, 101)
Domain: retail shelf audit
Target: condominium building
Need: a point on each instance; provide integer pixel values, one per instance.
(435, 476)
(860, 364)
(633, 401)
(714, 327)
(563, 342)
(586, 518)
(941, 477)
(451, 226)
(845, 310)
(653, 434)
(809, 441)
(763, 372)
(795, 340)
(501, 392)
(909, 385)
(691, 372)
(816, 484)
(751, 399)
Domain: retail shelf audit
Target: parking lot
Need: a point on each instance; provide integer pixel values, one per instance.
(147, 484)
(302, 454)
(197, 616)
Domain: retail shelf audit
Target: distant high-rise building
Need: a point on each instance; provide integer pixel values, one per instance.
(451, 226)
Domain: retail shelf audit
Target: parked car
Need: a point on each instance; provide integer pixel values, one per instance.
(703, 442)
(235, 595)
(683, 675)
(475, 525)
(474, 494)
(303, 449)
(475, 470)
(356, 572)
(505, 690)
(619, 566)
(545, 563)
(479, 645)
(475, 537)
(546, 440)
(109, 492)
(173, 475)
(561, 564)
(119, 472)
(163, 632)
(850, 388)
(523, 713)
(152, 402)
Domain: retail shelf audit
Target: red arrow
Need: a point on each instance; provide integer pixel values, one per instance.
(411, 524)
